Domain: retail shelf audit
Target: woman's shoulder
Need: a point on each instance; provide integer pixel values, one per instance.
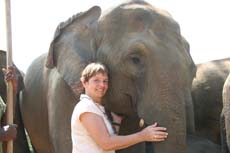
(85, 103)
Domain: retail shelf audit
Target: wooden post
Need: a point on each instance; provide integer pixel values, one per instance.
(9, 63)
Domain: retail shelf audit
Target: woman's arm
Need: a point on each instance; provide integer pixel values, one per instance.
(98, 131)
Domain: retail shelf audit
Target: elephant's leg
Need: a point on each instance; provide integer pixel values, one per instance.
(33, 106)
(20, 144)
(60, 105)
(201, 145)
(223, 134)
(226, 112)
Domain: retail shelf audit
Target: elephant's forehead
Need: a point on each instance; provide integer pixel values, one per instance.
(134, 6)
(146, 8)
(143, 9)
(138, 18)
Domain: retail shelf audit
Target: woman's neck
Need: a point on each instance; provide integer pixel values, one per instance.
(96, 100)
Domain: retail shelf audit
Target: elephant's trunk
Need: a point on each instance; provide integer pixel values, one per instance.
(166, 106)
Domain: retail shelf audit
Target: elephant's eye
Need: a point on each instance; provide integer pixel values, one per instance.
(135, 60)
(137, 54)
(134, 64)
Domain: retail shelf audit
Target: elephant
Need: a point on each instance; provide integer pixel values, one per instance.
(225, 117)
(201, 145)
(197, 144)
(207, 97)
(20, 144)
(150, 76)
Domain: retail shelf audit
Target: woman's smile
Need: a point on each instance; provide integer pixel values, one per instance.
(97, 86)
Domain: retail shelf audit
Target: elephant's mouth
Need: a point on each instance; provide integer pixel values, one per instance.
(123, 104)
(132, 102)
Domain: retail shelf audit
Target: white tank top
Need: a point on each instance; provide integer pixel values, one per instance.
(81, 140)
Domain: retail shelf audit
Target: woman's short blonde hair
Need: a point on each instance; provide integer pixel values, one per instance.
(91, 70)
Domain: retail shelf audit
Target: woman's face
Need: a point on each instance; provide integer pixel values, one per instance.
(96, 86)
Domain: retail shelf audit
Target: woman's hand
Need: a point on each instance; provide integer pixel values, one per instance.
(154, 133)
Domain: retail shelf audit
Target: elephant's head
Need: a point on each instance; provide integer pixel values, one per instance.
(149, 63)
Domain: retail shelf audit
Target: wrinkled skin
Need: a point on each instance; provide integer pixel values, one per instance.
(150, 73)
(201, 145)
(20, 144)
(225, 117)
(207, 97)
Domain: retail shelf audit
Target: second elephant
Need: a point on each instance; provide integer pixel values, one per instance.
(225, 117)
(207, 97)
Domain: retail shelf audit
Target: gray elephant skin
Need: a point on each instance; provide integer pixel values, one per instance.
(225, 117)
(20, 144)
(150, 73)
(201, 145)
(207, 97)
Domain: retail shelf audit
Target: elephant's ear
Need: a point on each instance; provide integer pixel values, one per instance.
(85, 18)
(186, 44)
(187, 48)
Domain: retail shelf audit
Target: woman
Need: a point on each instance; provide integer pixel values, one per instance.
(91, 130)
